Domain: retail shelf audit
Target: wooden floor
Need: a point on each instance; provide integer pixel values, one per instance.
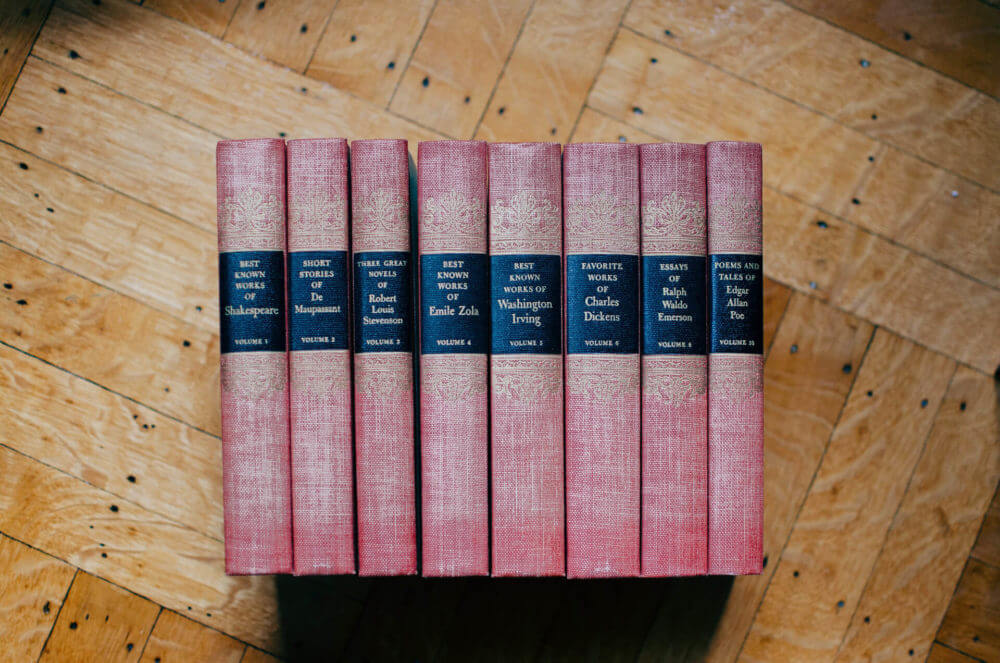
(881, 128)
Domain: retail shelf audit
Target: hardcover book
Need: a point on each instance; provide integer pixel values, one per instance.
(454, 341)
(383, 358)
(319, 357)
(674, 360)
(735, 362)
(601, 242)
(526, 364)
(256, 486)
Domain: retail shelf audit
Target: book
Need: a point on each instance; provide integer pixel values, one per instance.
(601, 243)
(253, 371)
(319, 359)
(383, 357)
(454, 341)
(735, 360)
(526, 361)
(674, 360)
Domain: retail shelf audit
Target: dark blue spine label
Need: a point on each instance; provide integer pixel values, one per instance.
(602, 303)
(383, 313)
(673, 305)
(737, 315)
(525, 297)
(317, 298)
(252, 301)
(454, 303)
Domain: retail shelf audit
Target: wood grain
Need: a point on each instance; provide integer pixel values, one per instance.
(33, 586)
(972, 624)
(987, 548)
(206, 75)
(285, 31)
(20, 21)
(937, 523)
(858, 487)
(941, 654)
(212, 17)
(805, 385)
(776, 298)
(367, 46)
(112, 443)
(109, 238)
(110, 339)
(806, 155)
(545, 83)
(839, 74)
(861, 272)
(176, 639)
(957, 37)
(100, 622)
(455, 66)
(257, 656)
(170, 564)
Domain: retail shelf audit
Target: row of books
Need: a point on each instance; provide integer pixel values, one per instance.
(584, 325)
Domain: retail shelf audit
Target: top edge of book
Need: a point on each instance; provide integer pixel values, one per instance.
(317, 140)
(379, 141)
(734, 143)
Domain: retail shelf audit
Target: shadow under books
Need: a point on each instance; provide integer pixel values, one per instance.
(493, 619)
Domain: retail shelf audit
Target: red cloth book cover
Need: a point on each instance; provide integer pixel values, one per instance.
(674, 360)
(250, 176)
(735, 362)
(454, 341)
(383, 358)
(526, 364)
(319, 358)
(601, 243)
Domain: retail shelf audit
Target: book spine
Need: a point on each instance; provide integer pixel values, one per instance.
(250, 176)
(454, 340)
(319, 357)
(601, 202)
(735, 361)
(383, 357)
(526, 363)
(674, 360)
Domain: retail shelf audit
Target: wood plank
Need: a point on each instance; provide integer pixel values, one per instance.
(776, 298)
(257, 656)
(957, 37)
(212, 17)
(177, 638)
(861, 272)
(457, 63)
(806, 155)
(285, 31)
(109, 238)
(805, 385)
(857, 488)
(33, 586)
(972, 624)
(170, 564)
(100, 622)
(941, 654)
(208, 83)
(987, 547)
(110, 339)
(937, 523)
(111, 443)
(544, 85)
(839, 74)
(367, 46)
(106, 137)
(20, 21)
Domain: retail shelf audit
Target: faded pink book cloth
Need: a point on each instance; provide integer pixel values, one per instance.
(256, 491)
(383, 381)
(320, 380)
(454, 405)
(601, 210)
(735, 381)
(674, 387)
(526, 390)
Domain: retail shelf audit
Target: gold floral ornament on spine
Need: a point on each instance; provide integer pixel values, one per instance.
(253, 374)
(602, 224)
(673, 225)
(317, 215)
(737, 225)
(525, 223)
(527, 377)
(674, 379)
(249, 216)
(453, 376)
(602, 378)
(452, 222)
(381, 223)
